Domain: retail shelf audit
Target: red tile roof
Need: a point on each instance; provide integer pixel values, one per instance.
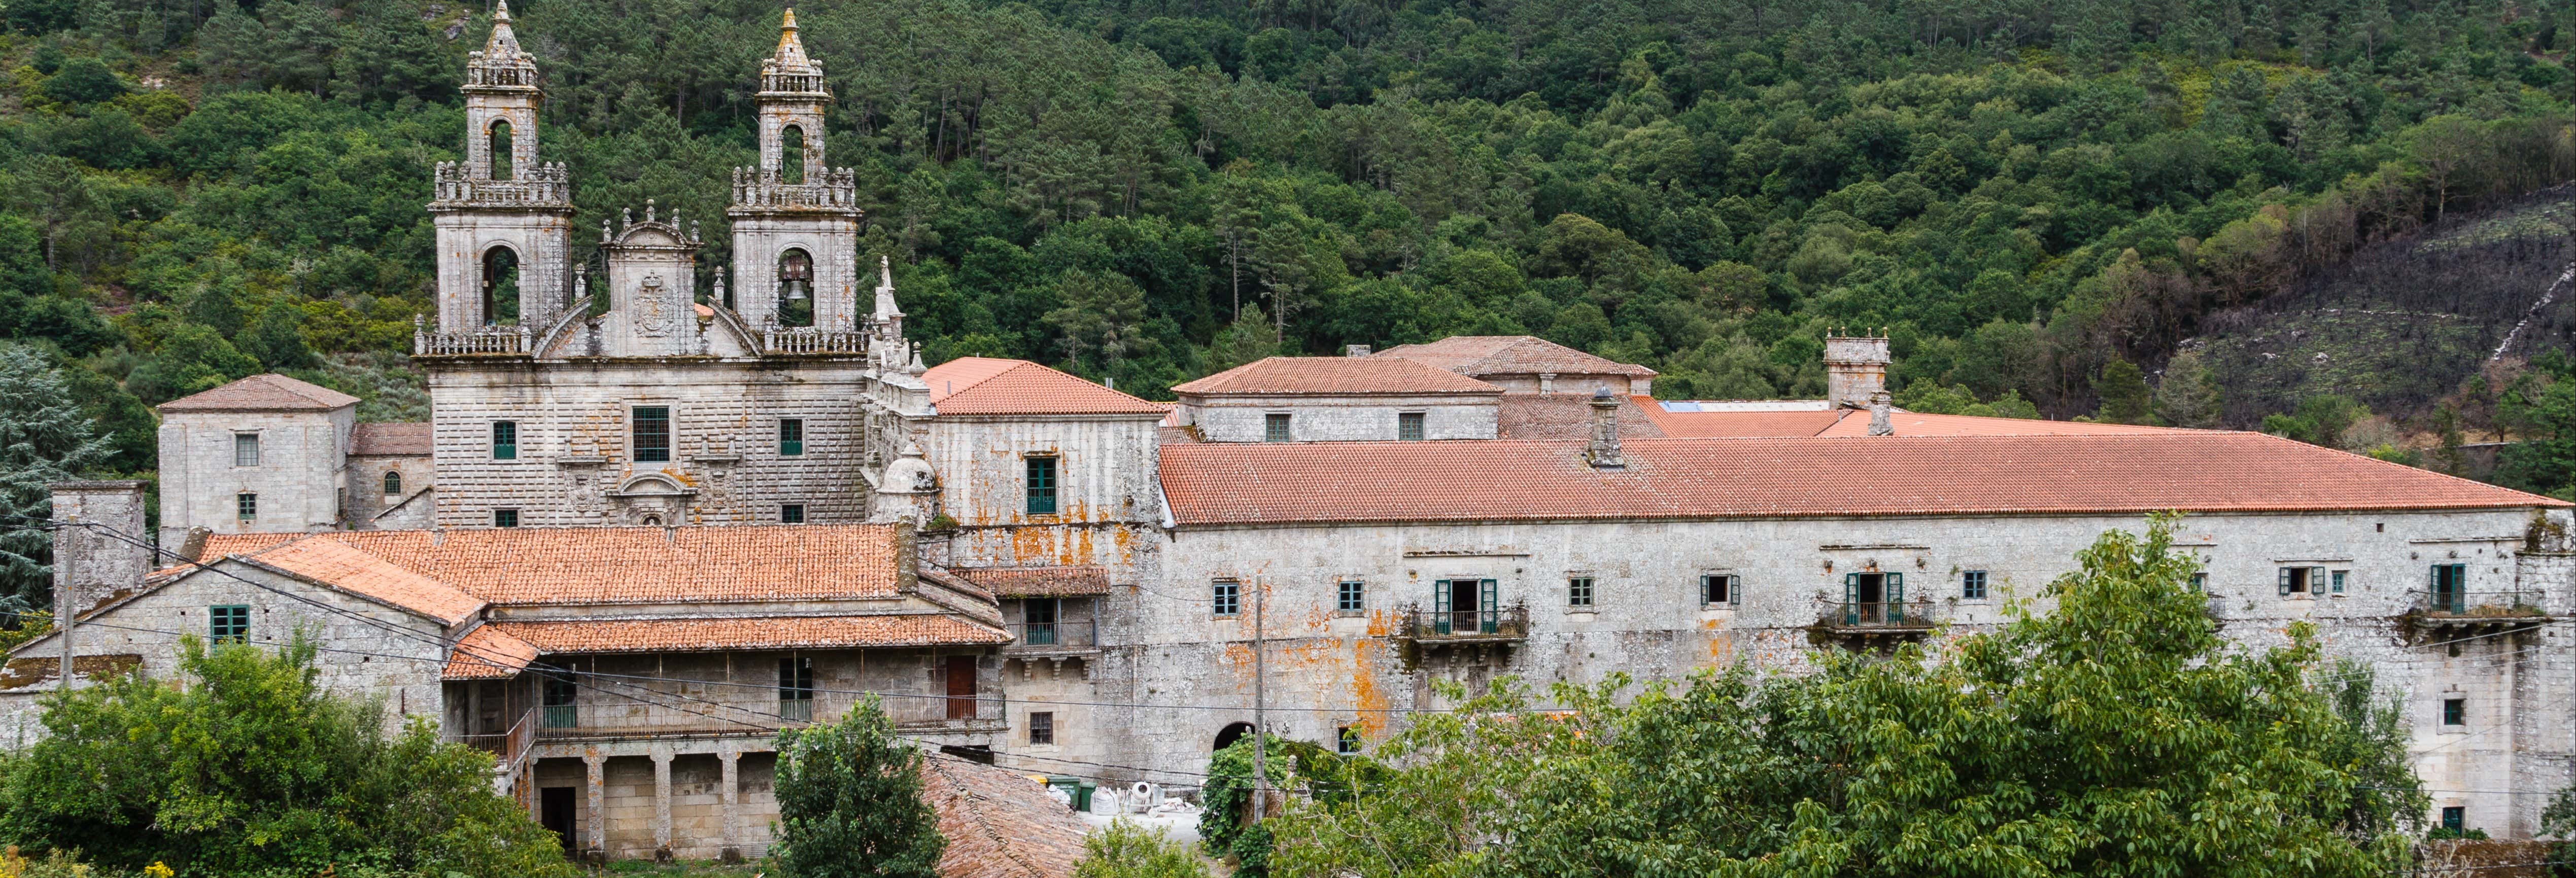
(1480, 355)
(998, 822)
(1038, 582)
(390, 440)
(487, 653)
(263, 393)
(609, 565)
(330, 562)
(988, 386)
(1254, 483)
(750, 633)
(1856, 423)
(1334, 376)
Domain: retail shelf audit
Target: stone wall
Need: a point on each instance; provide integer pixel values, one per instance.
(1342, 419)
(298, 479)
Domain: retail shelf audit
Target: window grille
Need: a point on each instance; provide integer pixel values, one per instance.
(505, 440)
(652, 434)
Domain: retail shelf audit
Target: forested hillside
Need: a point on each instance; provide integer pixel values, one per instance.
(2040, 198)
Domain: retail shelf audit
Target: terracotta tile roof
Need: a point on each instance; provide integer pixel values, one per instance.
(1254, 483)
(1568, 416)
(998, 822)
(263, 393)
(607, 565)
(1334, 376)
(1856, 423)
(390, 440)
(327, 561)
(1038, 582)
(754, 632)
(487, 653)
(988, 386)
(1480, 355)
(1730, 425)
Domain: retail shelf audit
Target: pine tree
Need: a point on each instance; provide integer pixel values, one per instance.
(2124, 393)
(2188, 394)
(44, 438)
(849, 802)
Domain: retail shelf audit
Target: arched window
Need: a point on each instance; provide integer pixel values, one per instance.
(795, 288)
(791, 155)
(500, 287)
(505, 151)
(393, 484)
(1231, 733)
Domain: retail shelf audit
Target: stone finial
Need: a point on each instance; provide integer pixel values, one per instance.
(886, 310)
(603, 230)
(650, 211)
(503, 43)
(1878, 411)
(1603, 451)
(791, 57)
(625, 217)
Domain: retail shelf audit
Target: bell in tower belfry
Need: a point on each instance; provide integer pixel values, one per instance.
(504, 218)
(795, 217)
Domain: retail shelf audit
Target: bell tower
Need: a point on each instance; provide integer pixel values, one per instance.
(795, 217)
(504, 220)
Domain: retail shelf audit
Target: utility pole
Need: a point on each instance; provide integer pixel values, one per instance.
(64, 605)
(1260, 704)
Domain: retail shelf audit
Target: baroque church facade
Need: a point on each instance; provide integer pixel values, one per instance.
(660, 512)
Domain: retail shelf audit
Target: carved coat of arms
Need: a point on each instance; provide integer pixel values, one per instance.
(653, 310)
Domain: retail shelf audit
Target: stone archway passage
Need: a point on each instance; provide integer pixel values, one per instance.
(1231, 733)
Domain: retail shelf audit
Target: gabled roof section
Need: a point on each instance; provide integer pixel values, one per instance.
(749, 633)
(486, 653)
(992, 386)
(2189, 470)
(325, 560)
(263, 393)
(1482, 355)
(408, 439)
(1038, 582)
(998, 822)
(1335, 376)
(531, 566)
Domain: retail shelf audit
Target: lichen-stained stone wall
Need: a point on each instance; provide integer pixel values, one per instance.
(298, 477)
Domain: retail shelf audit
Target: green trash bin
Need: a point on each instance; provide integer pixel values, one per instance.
(1082, 797)
(1074, 788)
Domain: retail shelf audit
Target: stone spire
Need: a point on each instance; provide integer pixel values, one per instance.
(886, 310)
(504, 43)
(790, 70)
(501, 65)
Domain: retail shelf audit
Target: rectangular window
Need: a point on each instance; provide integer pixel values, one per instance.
(1972, 585)
(791, 437)
(245, 449)
(505, 440)
(796, 689)
(1041, 727)
(1352, 596)
(2301, 580)
(1041, 485)
(247, 505)
(652, 434)
(1408, 426)
(561, 700)
(2455, 711)
(791, 513)
(1719, 589)
(1346, 740)
(1578, 591)
(228, 623)
(1274, 427)
(2455, 818)
(505, 518)
(2337, 578)
(1225, 597)
(1038, 620)
(2200, 582)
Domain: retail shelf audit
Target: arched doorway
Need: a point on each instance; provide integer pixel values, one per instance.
(791, 155)
(1231, 733)
(500, 287)
(795, 288)
(505, 151)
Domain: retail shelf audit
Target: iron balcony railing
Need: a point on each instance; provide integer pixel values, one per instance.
(1870, 614)
(1512, 621)
(1053, 635)
(2477, 604)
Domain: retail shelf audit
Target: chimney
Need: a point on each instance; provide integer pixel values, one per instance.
(1855, 369)
(1603, 451)
(1878, 423)
(1355, 350)
(89, 563)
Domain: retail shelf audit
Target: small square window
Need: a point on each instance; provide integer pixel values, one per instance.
(1346, 740)
(2337, 579)
(2455, 818)
(1408, 426)
(245, 449)
(1274, 427)
(2455, 711)
(2200, 582)
(1225, 597)
(246, 504)
(791, 437)
(2302, 580)
(1352, 597)
(1041, 727)
(791, 513)
(505, 518)
(652, 434)
(505, 440)
(229, 623)
(1720, 589)
(1972, 585)
(1041, 485)
(1578, 591)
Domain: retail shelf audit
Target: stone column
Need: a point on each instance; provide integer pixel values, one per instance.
(595, 817)
(661, 802)
(731, 796)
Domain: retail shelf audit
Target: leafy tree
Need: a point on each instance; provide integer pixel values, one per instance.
(191, 359)
(253, 768)
(44, 438)
(849, 801)
(277, 339)
(1126, 850)
(2322, 419)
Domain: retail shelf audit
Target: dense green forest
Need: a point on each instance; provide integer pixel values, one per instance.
(2039, 198)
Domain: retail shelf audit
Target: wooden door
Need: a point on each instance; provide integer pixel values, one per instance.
(961, 687)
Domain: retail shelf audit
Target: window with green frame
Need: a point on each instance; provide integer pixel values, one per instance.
(652, 429)
(1041, 485)
(791, 437)
(228, 623)
(505, 440)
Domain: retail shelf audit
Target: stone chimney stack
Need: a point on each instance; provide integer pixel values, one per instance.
(1878, 410)
(1355, 350)
(1603, 452)
(1855, 369)
(89, 564)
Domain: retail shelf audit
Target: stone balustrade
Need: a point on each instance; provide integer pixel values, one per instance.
(808, 340)
(547, 185)
(837, 190)
(510, 340)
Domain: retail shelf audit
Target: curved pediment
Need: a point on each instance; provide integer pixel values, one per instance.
(652, 485)
(652, 234)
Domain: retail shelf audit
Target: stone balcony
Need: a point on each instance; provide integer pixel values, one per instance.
(505, 341)
(755, 189)
(809, 340)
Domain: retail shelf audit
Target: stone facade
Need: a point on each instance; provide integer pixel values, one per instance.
(293, 468)
(1345, 419)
